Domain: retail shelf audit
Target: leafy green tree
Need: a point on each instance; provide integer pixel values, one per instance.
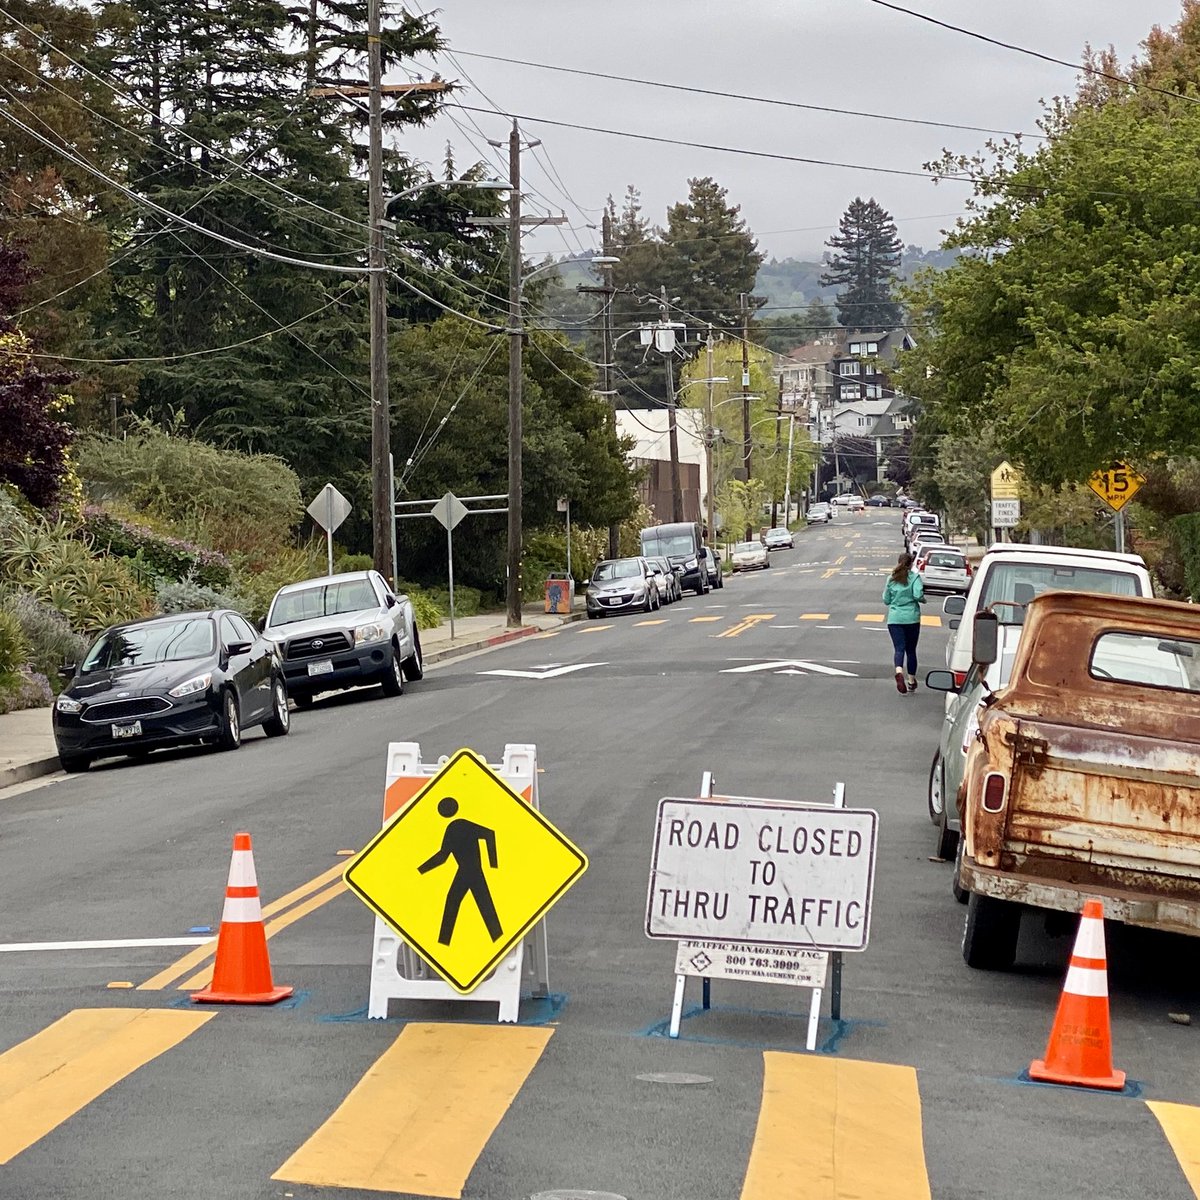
(450, 434)
(1069, 324)
(863, 266)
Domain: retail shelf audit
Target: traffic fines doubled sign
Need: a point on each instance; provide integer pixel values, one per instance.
(465, 870)
(1116, 486)
(752, 872)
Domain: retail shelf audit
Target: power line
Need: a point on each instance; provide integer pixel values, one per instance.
(146, 202)
(1061, 62)
(699, 91)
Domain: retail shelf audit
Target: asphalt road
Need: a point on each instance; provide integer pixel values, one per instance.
(141, 850)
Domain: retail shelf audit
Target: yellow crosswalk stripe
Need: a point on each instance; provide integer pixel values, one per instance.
(814, 616)
(874, 618)
(595, 628)
(697, 620)
(934, 622)
(420, 1117)
(836, 1129)
(656, 621)
(1181, 1124)
(52, 1075)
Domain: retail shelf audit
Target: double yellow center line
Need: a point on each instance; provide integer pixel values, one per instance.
(745, 623)
(285, 911)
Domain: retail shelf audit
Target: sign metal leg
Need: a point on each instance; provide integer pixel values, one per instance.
(814, 1017)
(677, 1006)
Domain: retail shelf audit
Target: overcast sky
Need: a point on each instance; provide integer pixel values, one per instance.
(842, 53)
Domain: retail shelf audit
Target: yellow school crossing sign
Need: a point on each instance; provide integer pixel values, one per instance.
(1116, 486)
(464, 870)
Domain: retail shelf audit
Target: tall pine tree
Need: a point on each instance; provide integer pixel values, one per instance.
(863, 265)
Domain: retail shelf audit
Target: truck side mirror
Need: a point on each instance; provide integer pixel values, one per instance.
(985, 638)
(954, 606)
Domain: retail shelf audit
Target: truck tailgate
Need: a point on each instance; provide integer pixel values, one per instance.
(1126, 806)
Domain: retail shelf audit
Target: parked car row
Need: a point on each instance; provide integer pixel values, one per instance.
(645, 583)
(1006, 582)
(205, 677)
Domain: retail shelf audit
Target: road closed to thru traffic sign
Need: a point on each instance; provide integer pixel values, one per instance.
(762, 872)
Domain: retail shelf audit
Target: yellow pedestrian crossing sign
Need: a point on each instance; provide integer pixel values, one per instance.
(465, 870)
(1116, 486)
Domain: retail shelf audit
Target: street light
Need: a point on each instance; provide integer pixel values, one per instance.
(483, 185)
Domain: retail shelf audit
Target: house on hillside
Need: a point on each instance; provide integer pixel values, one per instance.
(859, 365)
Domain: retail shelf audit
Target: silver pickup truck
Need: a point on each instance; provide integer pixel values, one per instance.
(343, 631)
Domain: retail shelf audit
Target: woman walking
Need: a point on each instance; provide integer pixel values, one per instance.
(903, 594)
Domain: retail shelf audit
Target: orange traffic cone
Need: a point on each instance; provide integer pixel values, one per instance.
(242, 974)
(1080, 1048)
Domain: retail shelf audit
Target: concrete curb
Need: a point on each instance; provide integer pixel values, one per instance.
(25, 771)
(510, 635)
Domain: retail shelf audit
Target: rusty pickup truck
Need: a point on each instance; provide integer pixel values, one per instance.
(1084, 776)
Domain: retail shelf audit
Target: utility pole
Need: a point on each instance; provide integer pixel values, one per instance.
(382, 500)
(383, 513)
(515, 590)
(607, 290)
(774, 493)
(672, 425)
(709, 435)
(787, 484)
(743, 299)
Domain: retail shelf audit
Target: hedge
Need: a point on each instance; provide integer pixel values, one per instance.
(1186, 536)
(168, 557)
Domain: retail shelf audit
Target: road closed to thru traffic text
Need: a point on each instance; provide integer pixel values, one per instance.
(762, 872)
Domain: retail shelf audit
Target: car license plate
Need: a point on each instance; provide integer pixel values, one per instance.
(324, 667)
(127, 731)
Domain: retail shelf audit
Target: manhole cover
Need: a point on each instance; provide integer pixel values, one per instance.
(673, 1077)
(575, 1194)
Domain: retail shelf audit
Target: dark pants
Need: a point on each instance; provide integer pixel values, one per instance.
(904, 640)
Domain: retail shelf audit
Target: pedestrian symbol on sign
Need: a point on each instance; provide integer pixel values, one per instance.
(461, 843)
(464, 870)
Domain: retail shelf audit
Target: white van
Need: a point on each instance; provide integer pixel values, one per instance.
(1010, 575)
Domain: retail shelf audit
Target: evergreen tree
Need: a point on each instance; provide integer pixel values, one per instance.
(709, 257)
(56, 210)
(639, 375)
(866, 256)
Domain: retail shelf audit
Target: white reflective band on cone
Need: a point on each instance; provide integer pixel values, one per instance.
(1089, 942)
(241, 869)
(1083, 981)
(241, 910)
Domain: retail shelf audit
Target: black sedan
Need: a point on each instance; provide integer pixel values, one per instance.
(186, 677)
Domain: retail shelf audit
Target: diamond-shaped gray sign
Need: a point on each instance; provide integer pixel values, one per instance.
(330, 508)
(449, 510)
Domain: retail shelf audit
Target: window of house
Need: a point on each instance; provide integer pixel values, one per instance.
(849, 368)
(872, 348)
(862, 420)
(873, 391)
(849, 391)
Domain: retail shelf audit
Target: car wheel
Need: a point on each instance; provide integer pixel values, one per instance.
(75, 764)
(230, 735)
(960, 893)
(303, 699)
(592, 615)
(414, 664)
(280, 720)
(990, 933)
(393, 677)
(936, 792)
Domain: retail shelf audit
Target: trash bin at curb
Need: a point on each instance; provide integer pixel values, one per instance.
(560, 593)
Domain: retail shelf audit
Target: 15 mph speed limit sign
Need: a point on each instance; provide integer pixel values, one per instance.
(1116, 486)
(754, 872)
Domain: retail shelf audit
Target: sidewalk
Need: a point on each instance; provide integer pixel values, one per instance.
(27, 741)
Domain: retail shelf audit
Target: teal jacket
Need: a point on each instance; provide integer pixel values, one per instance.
(904, 600)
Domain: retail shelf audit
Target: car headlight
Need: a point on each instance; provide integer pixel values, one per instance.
(198, 683)
(373, 631)
(65, 704)
(691, 564)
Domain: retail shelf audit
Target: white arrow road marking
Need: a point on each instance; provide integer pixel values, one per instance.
(787, 667)
(549, 671)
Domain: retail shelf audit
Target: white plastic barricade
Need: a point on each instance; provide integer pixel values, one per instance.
(397, 971)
